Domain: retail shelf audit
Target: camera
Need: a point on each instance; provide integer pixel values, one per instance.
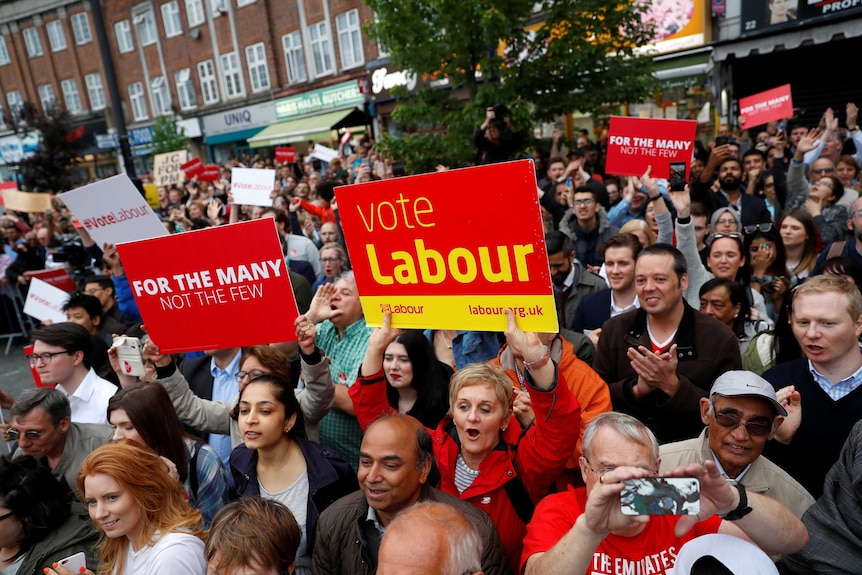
(129, 355)
(500, 111)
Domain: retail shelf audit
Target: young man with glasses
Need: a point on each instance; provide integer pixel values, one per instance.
(42, 426)
(741, 413)
(587, 225)
(63, 355)
(584, 530)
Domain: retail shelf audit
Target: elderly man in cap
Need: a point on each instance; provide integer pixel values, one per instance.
(741, 414)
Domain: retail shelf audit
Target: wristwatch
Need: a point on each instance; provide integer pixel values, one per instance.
(742, 509)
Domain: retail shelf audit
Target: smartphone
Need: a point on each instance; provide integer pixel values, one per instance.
(660, 496)
(677, 176)
(569, 182)
(721, 140)
(129, 354)
(74, 563)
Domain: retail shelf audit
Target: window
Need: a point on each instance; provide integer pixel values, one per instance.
(139, 102)
(3, 123)
(161, 97)
(4, 52)
(71, 96)
(171, 19)
(56, 36)
(81, 28)
(34, 44)
(195, 12)
(241, 3)
(95, 91)
(320, 48)
(46, 97)
(218, 7)
(145, 26)
(233, 85)
(124, 36)
(185, 89)
(16, 103)
(209, 87)
(350, 39)
(294, 57)
(255, 57)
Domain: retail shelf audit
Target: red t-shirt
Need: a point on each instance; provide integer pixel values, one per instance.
(651, 551)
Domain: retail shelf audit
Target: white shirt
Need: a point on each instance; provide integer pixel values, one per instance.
(616, 310)
(302, 248)
(90, 401)
(172, 554)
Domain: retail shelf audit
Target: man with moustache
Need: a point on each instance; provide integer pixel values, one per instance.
(752, 210)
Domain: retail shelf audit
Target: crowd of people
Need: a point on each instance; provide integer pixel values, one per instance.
(709, 330)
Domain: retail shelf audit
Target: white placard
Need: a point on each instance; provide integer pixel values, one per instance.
(324, 153)
(114, 211)
(45, 301)
(252, 186)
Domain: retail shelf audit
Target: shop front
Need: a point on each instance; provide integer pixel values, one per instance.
(227, 133)
(141, 142)
(315, 117)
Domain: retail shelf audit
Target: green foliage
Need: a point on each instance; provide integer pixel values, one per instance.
(167, 136)
(581, 59)
(59, 148)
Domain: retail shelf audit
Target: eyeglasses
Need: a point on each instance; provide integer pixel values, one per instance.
(93, 290)
(857, 214)
(329, 260)
(587, 202)
(755, 227)
(45, 358)
(732, 235)
(608, 468)
(253, 374)
(32, 434)
(823, 171)
(754, 428)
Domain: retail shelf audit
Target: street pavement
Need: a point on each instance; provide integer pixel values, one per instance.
(15, 374)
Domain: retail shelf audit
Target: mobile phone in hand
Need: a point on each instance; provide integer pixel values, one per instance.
(676, 179)
(129, 355)
(74, 563)
(660, 496)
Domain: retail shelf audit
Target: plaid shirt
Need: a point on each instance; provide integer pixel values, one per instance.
(339, 430)
(839, 389)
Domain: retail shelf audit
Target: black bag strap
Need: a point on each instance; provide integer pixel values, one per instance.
(193, 468)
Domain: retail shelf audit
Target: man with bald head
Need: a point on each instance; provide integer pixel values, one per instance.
(438, 532)
(395, 459)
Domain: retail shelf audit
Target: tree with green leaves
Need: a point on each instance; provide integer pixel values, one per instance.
(47, 168)
(540, 59)
(168, 136)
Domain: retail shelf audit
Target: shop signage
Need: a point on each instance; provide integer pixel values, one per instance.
(382, 80)
(762, 14)
(245, 118)
(330, 98)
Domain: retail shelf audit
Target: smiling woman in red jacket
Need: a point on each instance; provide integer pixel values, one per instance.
(482, 453)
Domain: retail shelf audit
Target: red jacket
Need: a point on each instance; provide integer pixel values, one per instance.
(540, 454)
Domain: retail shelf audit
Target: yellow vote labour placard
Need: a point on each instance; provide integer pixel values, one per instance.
(451, 250)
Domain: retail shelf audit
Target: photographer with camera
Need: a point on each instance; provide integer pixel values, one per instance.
(496, 139)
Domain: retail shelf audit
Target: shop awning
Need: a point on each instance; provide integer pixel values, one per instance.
(315, 127)
(787, 41)
(237, 136)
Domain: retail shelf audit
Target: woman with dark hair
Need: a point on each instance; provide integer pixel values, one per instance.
(276, 461)
(769, 273)
(143, 413)
(801, 241)
(42, 522)
(727, 301)
(843, 266)
(417, 382)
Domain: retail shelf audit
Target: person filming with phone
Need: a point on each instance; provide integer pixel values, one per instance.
(586, 531)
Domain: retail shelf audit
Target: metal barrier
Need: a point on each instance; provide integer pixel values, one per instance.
(14, 323)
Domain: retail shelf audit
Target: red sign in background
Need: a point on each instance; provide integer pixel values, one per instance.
(211, 289)
(285, 155)
(637, 143)
(765, 107)
(57, 277)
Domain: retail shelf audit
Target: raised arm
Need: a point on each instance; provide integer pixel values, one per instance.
(315, 399)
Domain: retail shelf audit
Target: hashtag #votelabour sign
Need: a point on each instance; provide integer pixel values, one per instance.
(424, 249)
(214, 288)
(636, 143)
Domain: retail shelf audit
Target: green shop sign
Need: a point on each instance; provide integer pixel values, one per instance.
(329, 98)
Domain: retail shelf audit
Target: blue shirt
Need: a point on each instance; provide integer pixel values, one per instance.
(839, 389)
(225, 388)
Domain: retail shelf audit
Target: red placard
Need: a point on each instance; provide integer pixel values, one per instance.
(212, 289)
(285, 155)
(28, 349)
(193, 167)
(57, 277)
(209, 174)
(762, 108)
(421, 250)
(637, 143)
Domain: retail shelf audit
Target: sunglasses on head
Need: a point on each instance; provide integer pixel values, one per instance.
(756, 227)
